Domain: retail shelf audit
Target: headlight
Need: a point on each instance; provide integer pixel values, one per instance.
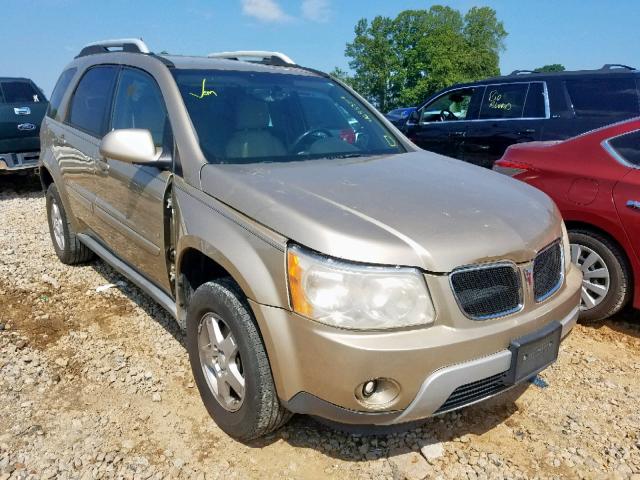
(349, 295)
(566, 247)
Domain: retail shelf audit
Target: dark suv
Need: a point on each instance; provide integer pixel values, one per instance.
(476, 122)
(22, 107)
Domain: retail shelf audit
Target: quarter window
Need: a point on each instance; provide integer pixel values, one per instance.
(504, 101)
(628, 147)
(92, 100)
(614, 98)
(449, 107)
(59, 91)
(139, 104)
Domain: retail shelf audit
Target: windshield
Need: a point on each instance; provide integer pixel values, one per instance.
(249, 117)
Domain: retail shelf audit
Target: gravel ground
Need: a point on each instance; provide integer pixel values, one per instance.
(97, 385)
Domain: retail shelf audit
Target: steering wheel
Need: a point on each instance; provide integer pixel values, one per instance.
(446, 115)
(316, 133)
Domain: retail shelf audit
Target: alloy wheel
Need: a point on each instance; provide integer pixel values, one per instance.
(596, 280)
(58, 225)
(220, 361)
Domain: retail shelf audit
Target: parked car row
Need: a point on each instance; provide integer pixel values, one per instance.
(319, 261)
(476, 122)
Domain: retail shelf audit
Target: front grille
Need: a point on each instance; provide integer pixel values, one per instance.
(474, 392)
(547, 271)
(487, 291)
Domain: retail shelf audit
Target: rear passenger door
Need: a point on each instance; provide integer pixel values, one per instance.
(78, 142)
(626, 193)
(509, 113)
(129, 200)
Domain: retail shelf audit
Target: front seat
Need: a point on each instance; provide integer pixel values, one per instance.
(252, 137)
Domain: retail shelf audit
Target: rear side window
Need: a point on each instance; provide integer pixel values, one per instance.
(504, 101)
(534, 106)
(21, 92)
(59, 91)
(628, 147)
(92, 100)
(139, 104)
(615, 98)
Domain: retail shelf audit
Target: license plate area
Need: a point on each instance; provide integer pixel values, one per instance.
(533, 352)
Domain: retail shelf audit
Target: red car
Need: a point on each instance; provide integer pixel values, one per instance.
(594, 179)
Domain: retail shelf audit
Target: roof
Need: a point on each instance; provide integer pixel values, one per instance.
(14, 79)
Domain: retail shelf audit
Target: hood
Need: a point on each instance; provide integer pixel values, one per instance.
(415, 209)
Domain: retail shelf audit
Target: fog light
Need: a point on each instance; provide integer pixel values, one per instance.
(377, 393)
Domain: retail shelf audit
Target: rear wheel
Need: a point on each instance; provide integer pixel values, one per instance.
(606, 282)
(229, 362)
(65, 242)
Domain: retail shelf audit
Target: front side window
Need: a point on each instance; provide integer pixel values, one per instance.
(449, 107)
(21, 92)
(249, 117)
(92, 100)
(58, 92)
(614, 98)
(503, 101)
(139, 104)
(628, 147)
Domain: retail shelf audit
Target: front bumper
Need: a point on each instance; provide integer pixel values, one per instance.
(317, 368)
(11, 162)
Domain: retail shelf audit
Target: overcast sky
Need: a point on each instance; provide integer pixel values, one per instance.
(38, 37)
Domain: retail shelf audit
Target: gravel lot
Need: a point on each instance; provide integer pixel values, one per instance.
(97, 385)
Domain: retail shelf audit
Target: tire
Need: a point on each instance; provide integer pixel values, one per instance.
(243, 415)
(65, 242)
(617, 284)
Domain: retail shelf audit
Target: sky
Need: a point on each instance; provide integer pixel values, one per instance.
(39, 37)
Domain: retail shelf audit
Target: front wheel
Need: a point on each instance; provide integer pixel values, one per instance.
(606, 279)
(229, 362)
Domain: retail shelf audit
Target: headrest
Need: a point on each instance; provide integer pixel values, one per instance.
(252, 114)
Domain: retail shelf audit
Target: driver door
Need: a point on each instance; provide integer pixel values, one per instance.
(442, 125)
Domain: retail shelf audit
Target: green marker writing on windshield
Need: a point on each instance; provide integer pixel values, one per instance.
(205, 92)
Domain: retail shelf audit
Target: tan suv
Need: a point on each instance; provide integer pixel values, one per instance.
(319, 261)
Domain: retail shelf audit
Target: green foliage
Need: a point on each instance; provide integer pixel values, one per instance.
(399, 62)
(554, 67)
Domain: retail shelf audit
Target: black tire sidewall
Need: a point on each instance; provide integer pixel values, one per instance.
(216, 298)
(619, 290)
(54, 197)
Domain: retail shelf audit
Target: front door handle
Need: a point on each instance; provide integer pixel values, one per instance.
(634, 204)
(103, 166)
(458, 134)
(527, 131)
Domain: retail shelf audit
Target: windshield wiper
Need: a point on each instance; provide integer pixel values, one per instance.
(344, 155)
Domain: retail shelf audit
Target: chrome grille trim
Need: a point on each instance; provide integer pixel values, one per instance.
(517, 277)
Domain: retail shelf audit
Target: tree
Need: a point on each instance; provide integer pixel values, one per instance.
(401, 61)
(554, 67)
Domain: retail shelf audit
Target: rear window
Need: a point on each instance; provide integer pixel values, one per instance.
(20, 92)
(628, 147)
(59, 91)
(607, 97)
(504, 101)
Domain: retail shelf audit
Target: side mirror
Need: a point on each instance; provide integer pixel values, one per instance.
(131, 145)
(415, 116)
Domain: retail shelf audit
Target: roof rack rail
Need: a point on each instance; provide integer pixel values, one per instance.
(259, 56)
(612, 66)
(520, 72)
(133, 45)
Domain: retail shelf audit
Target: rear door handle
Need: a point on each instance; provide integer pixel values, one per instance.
(527, 131)
(458, 134)
(634, 204)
